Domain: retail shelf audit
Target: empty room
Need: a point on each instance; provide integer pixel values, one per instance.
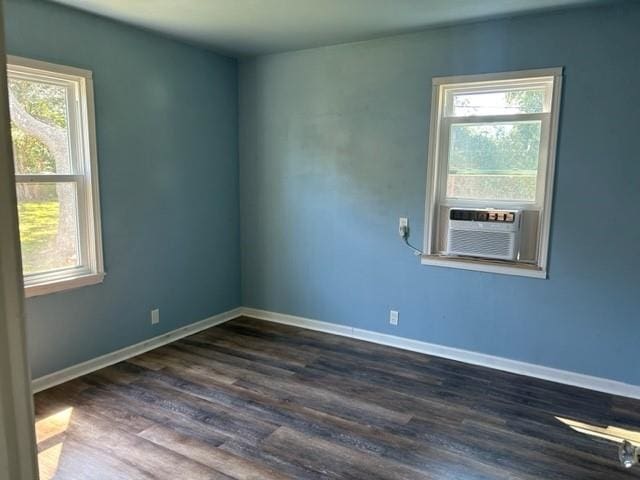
(320, 239)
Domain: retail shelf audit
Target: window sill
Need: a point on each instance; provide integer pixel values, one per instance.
(62, 285)
(488, 266)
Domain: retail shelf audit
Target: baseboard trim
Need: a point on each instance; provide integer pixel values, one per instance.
(499, 363)
(75, 371)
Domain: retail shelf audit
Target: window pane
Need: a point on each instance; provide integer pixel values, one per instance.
(494, 161)
(39, 127)
(48, 216)
(499, 103)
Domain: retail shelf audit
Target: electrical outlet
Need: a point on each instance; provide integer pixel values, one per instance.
(393, 317)
(155, 316)
(403, 226)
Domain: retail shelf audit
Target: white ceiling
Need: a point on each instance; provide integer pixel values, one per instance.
(253, 27)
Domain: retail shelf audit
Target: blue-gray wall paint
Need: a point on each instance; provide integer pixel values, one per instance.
(167, 150)
(333, 149)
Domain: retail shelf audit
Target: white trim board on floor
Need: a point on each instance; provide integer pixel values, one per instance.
(499, 363)
(75, 371)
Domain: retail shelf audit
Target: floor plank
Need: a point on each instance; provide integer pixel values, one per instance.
(251, 400)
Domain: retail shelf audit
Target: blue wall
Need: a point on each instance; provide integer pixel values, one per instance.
(167, 149)
(333, 148)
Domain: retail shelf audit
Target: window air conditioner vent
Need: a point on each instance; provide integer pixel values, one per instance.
(483, 233)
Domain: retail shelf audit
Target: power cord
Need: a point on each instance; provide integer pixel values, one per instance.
(404, 234)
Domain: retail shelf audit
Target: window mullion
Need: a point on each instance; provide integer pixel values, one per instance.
(479, 119)
(48, 178)
(443, 160)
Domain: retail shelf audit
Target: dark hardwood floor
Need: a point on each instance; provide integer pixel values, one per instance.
(255, 400)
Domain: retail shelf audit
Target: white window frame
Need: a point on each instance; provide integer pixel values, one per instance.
(82, 131)
(438, 159)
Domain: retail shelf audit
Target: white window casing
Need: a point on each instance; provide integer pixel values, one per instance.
(83, 175)
(548, 81)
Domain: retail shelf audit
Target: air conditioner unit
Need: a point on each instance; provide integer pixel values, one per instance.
(484, 233)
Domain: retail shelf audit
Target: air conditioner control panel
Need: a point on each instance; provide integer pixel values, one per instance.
(482, 215)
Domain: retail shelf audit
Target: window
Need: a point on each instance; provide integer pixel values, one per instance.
(491, 158)
(52, 127)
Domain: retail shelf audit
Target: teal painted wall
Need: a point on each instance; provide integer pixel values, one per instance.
(333, 149)
(167, 150)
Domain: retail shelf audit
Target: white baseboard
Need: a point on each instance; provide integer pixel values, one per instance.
(474, 358)
(61, 376)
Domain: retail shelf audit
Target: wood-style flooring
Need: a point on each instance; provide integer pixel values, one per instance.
(256, 400)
